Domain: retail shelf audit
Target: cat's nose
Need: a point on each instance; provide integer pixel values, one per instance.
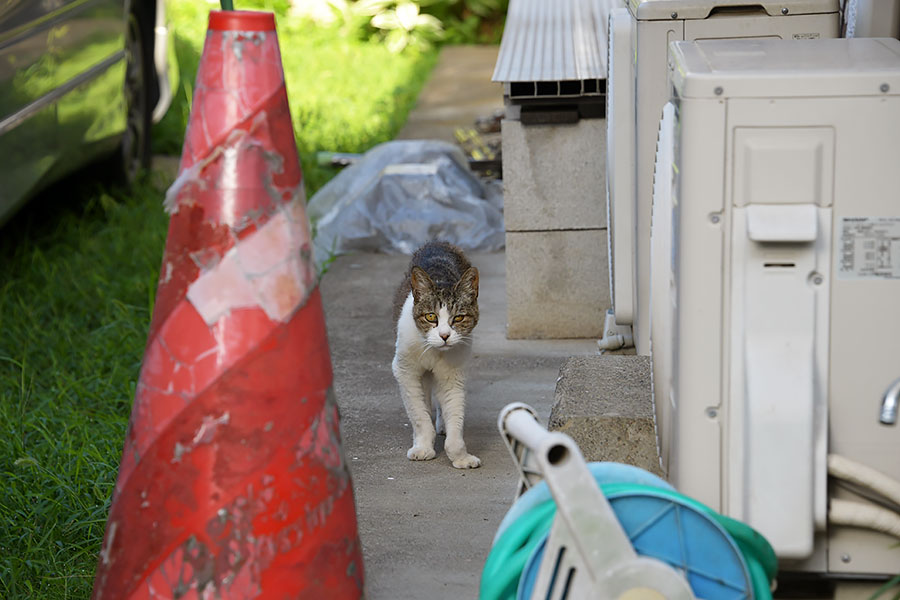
(444, 336)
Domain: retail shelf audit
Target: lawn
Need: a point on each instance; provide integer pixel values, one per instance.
(346, 95)
(78, 272)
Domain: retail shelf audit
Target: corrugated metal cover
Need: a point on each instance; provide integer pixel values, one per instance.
(554, 40)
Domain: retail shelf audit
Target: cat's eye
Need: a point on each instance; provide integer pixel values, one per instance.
(458, 318)
(431, 318)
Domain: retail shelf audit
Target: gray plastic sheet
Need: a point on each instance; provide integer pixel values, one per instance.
(401, 194)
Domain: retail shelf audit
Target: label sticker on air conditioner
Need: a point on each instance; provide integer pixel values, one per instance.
(869, 248)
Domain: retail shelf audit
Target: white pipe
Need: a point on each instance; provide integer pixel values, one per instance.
(865, 476)
(614, 336)
(857, 514)
(522, 426)
(614, 342)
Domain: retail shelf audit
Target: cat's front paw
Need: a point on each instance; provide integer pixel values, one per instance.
(420, 453)
(469, 461)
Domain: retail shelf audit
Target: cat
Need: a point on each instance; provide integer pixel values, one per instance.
(435, 310)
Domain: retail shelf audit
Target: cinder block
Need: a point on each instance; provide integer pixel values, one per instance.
(557, 284)
(605, 404)
(554, 176)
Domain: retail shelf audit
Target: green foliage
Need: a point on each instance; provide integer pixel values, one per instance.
(403, 23)
(189, 20)
(78, 271)
(890, 587)
(279, 7)
(470, 21)
(345, 94)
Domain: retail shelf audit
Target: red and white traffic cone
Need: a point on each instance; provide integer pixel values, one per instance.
(233, 483)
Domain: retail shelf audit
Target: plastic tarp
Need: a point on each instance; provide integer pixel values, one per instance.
(402, 194)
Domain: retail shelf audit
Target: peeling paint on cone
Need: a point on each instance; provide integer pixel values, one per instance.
(233, 483)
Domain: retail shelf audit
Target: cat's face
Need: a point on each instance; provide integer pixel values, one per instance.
(445, 316)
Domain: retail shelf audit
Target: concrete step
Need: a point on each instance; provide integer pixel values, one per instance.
(604, 403)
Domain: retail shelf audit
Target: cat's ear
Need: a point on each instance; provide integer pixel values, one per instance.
(468, 283)
(420, 282)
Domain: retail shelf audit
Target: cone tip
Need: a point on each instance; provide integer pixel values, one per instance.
(241, 20)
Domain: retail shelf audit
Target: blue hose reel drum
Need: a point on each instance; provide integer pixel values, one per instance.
(660, 524)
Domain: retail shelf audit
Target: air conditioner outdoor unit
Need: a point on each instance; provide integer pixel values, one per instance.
(776, 293)
(639, 37)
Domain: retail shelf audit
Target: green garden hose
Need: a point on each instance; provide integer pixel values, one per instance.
(500, 576)
(508, 556)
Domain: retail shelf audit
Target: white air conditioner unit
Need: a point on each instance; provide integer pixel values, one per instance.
(776, 291)
(639, 37)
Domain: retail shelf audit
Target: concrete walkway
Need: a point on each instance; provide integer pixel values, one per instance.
(459, 90)
(426, 527)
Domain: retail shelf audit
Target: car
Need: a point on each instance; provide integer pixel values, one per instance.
(80, 80)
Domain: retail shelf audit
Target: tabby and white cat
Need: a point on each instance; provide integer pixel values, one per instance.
(436, 308)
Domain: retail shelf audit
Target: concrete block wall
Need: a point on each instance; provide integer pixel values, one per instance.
(557, 283)
(557, 268)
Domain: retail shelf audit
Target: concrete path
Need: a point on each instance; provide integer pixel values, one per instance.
(459, 90)
(426, 527)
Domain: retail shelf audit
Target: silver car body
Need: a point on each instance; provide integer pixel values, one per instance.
(62, 74)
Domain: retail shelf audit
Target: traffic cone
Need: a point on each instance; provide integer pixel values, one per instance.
(233, 483)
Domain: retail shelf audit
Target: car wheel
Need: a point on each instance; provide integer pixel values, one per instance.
(135, 148)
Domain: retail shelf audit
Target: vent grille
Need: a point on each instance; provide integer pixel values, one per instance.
(556, 89)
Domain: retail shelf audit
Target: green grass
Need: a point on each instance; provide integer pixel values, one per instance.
(78, 272)
(74, 310)
(346, 94)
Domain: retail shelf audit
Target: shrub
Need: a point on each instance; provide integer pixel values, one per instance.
(404, 23)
